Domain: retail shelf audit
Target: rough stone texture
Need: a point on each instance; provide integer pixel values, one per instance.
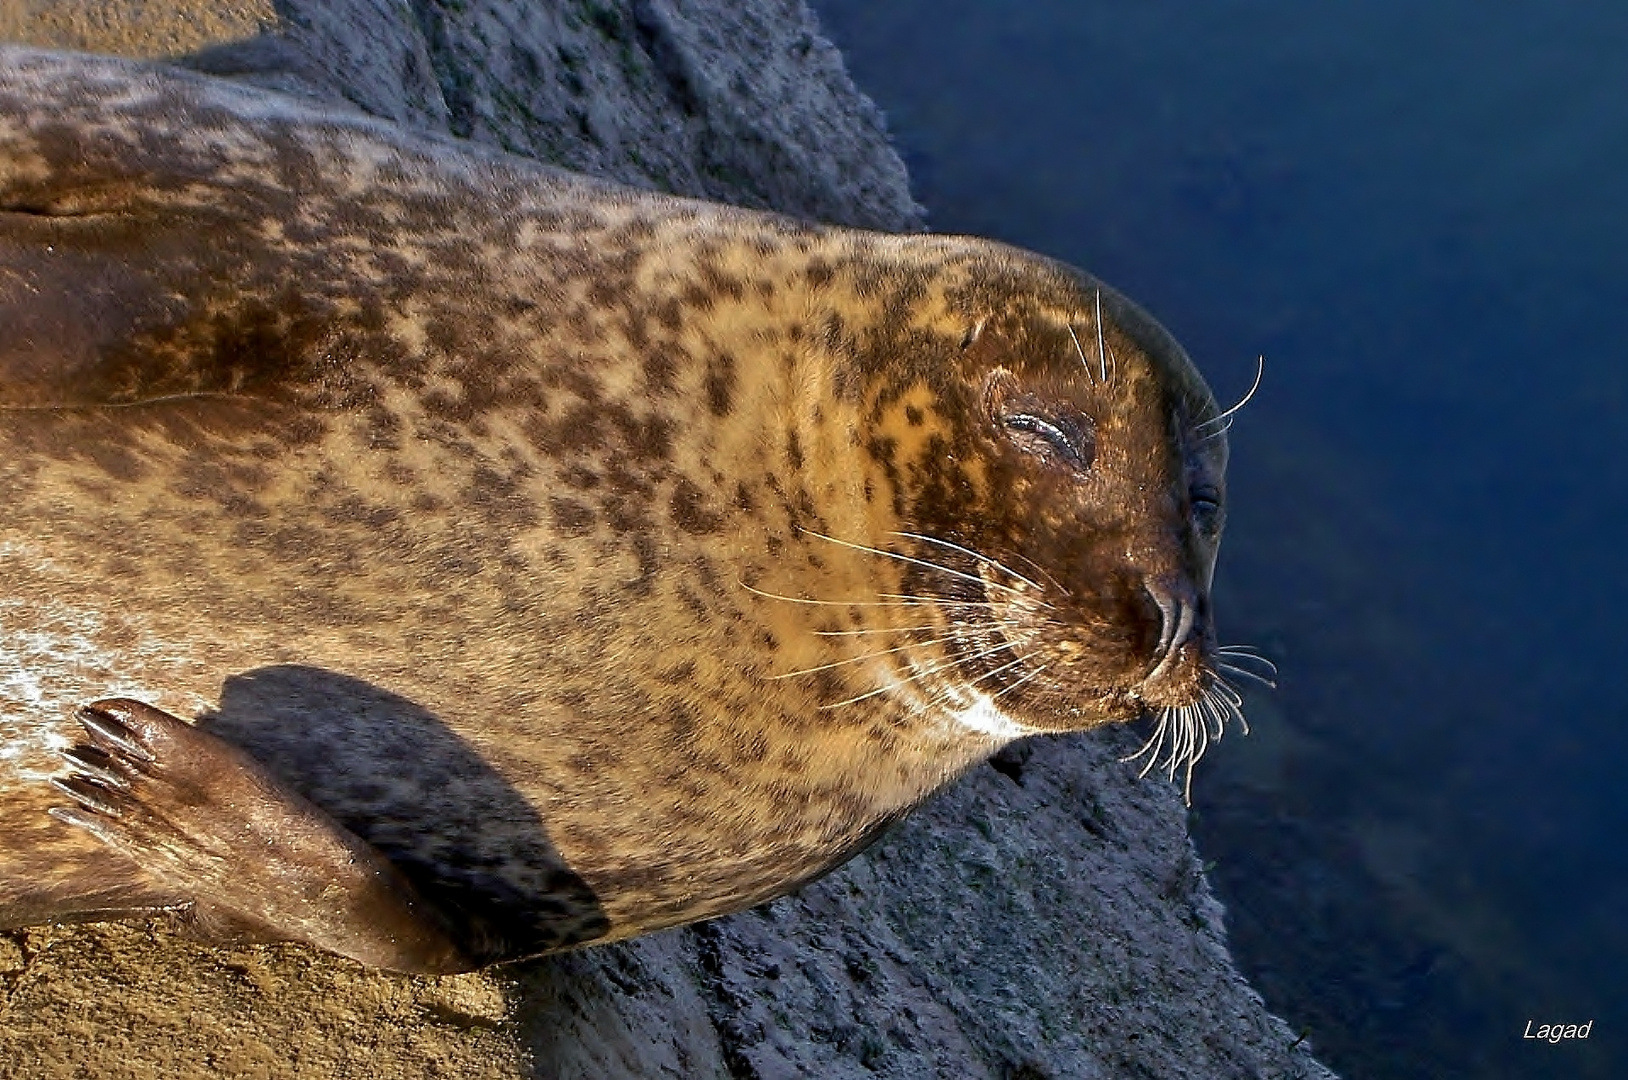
(1045, 920)
(741, 103)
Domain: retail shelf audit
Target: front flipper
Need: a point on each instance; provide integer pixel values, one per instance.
(209, 821)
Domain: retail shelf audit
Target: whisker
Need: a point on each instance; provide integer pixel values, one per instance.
(1242, 673)
(1178, 721)
(1260, 370)
(873, 630)
(1187, 731)
(996, 671)
(1192, 730)
(1183, 734)
(1243, 721)
(1163, 720)
(1198, 740)
(1238, 655)
(1086, 364)
(934, 601)
(976, 580)
(1192, 760)
(1007, 689)
(863, 657)
(933, 670)
(1218, 709)
(1223, 689)
(976, 555)
(1102, 356)
(902, 601)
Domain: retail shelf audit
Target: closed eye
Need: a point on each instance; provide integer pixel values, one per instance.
(1047, 437)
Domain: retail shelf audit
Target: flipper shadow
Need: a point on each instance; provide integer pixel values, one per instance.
(394, 774)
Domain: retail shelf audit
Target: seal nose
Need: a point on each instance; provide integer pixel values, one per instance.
(1178, 620)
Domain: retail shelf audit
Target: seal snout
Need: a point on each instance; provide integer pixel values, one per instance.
(1181, 629)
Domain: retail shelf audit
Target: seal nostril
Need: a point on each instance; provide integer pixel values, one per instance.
(1178, 611)
(1168, 610)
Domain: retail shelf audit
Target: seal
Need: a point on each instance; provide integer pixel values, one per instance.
(440, 559)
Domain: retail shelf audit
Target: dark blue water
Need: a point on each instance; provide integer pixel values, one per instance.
(1419, 214)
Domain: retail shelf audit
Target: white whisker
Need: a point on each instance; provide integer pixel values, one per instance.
(864, 657)
(873, 630)
(1232, 669)
(1163, 721)
(1260, 370)
(1224, 689)
(1102, 356)
(933, 601)
(1007, 689)
(1086, 364)
(1246, 654)
(922, 674)
(894, 601)
(975, 579)
(973, 554)
(995, 671)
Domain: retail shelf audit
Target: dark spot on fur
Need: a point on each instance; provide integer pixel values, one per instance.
(570, 516)
(626, 514)
(644, 548)
(669, 314)
(502, 498)
(743, 497)
(678, 674)
(690, 510)
(913, 416)
(383, 429)
(428, 503)
(115, 461)
(685, 723)
(693, 603)
(660, 365)
(303, 430)
(580, 477)
(720, 383)
(400, 474)
(442, 405)
(698, 298)
(755, 747)
(794, 451)
(882, 449)
(649, 437)
(722, 283)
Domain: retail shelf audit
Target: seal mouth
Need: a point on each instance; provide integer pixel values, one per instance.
(1190, 713)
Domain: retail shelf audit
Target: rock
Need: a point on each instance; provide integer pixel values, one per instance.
(1043, 919)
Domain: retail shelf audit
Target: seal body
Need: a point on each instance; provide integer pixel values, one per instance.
(442, 559)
